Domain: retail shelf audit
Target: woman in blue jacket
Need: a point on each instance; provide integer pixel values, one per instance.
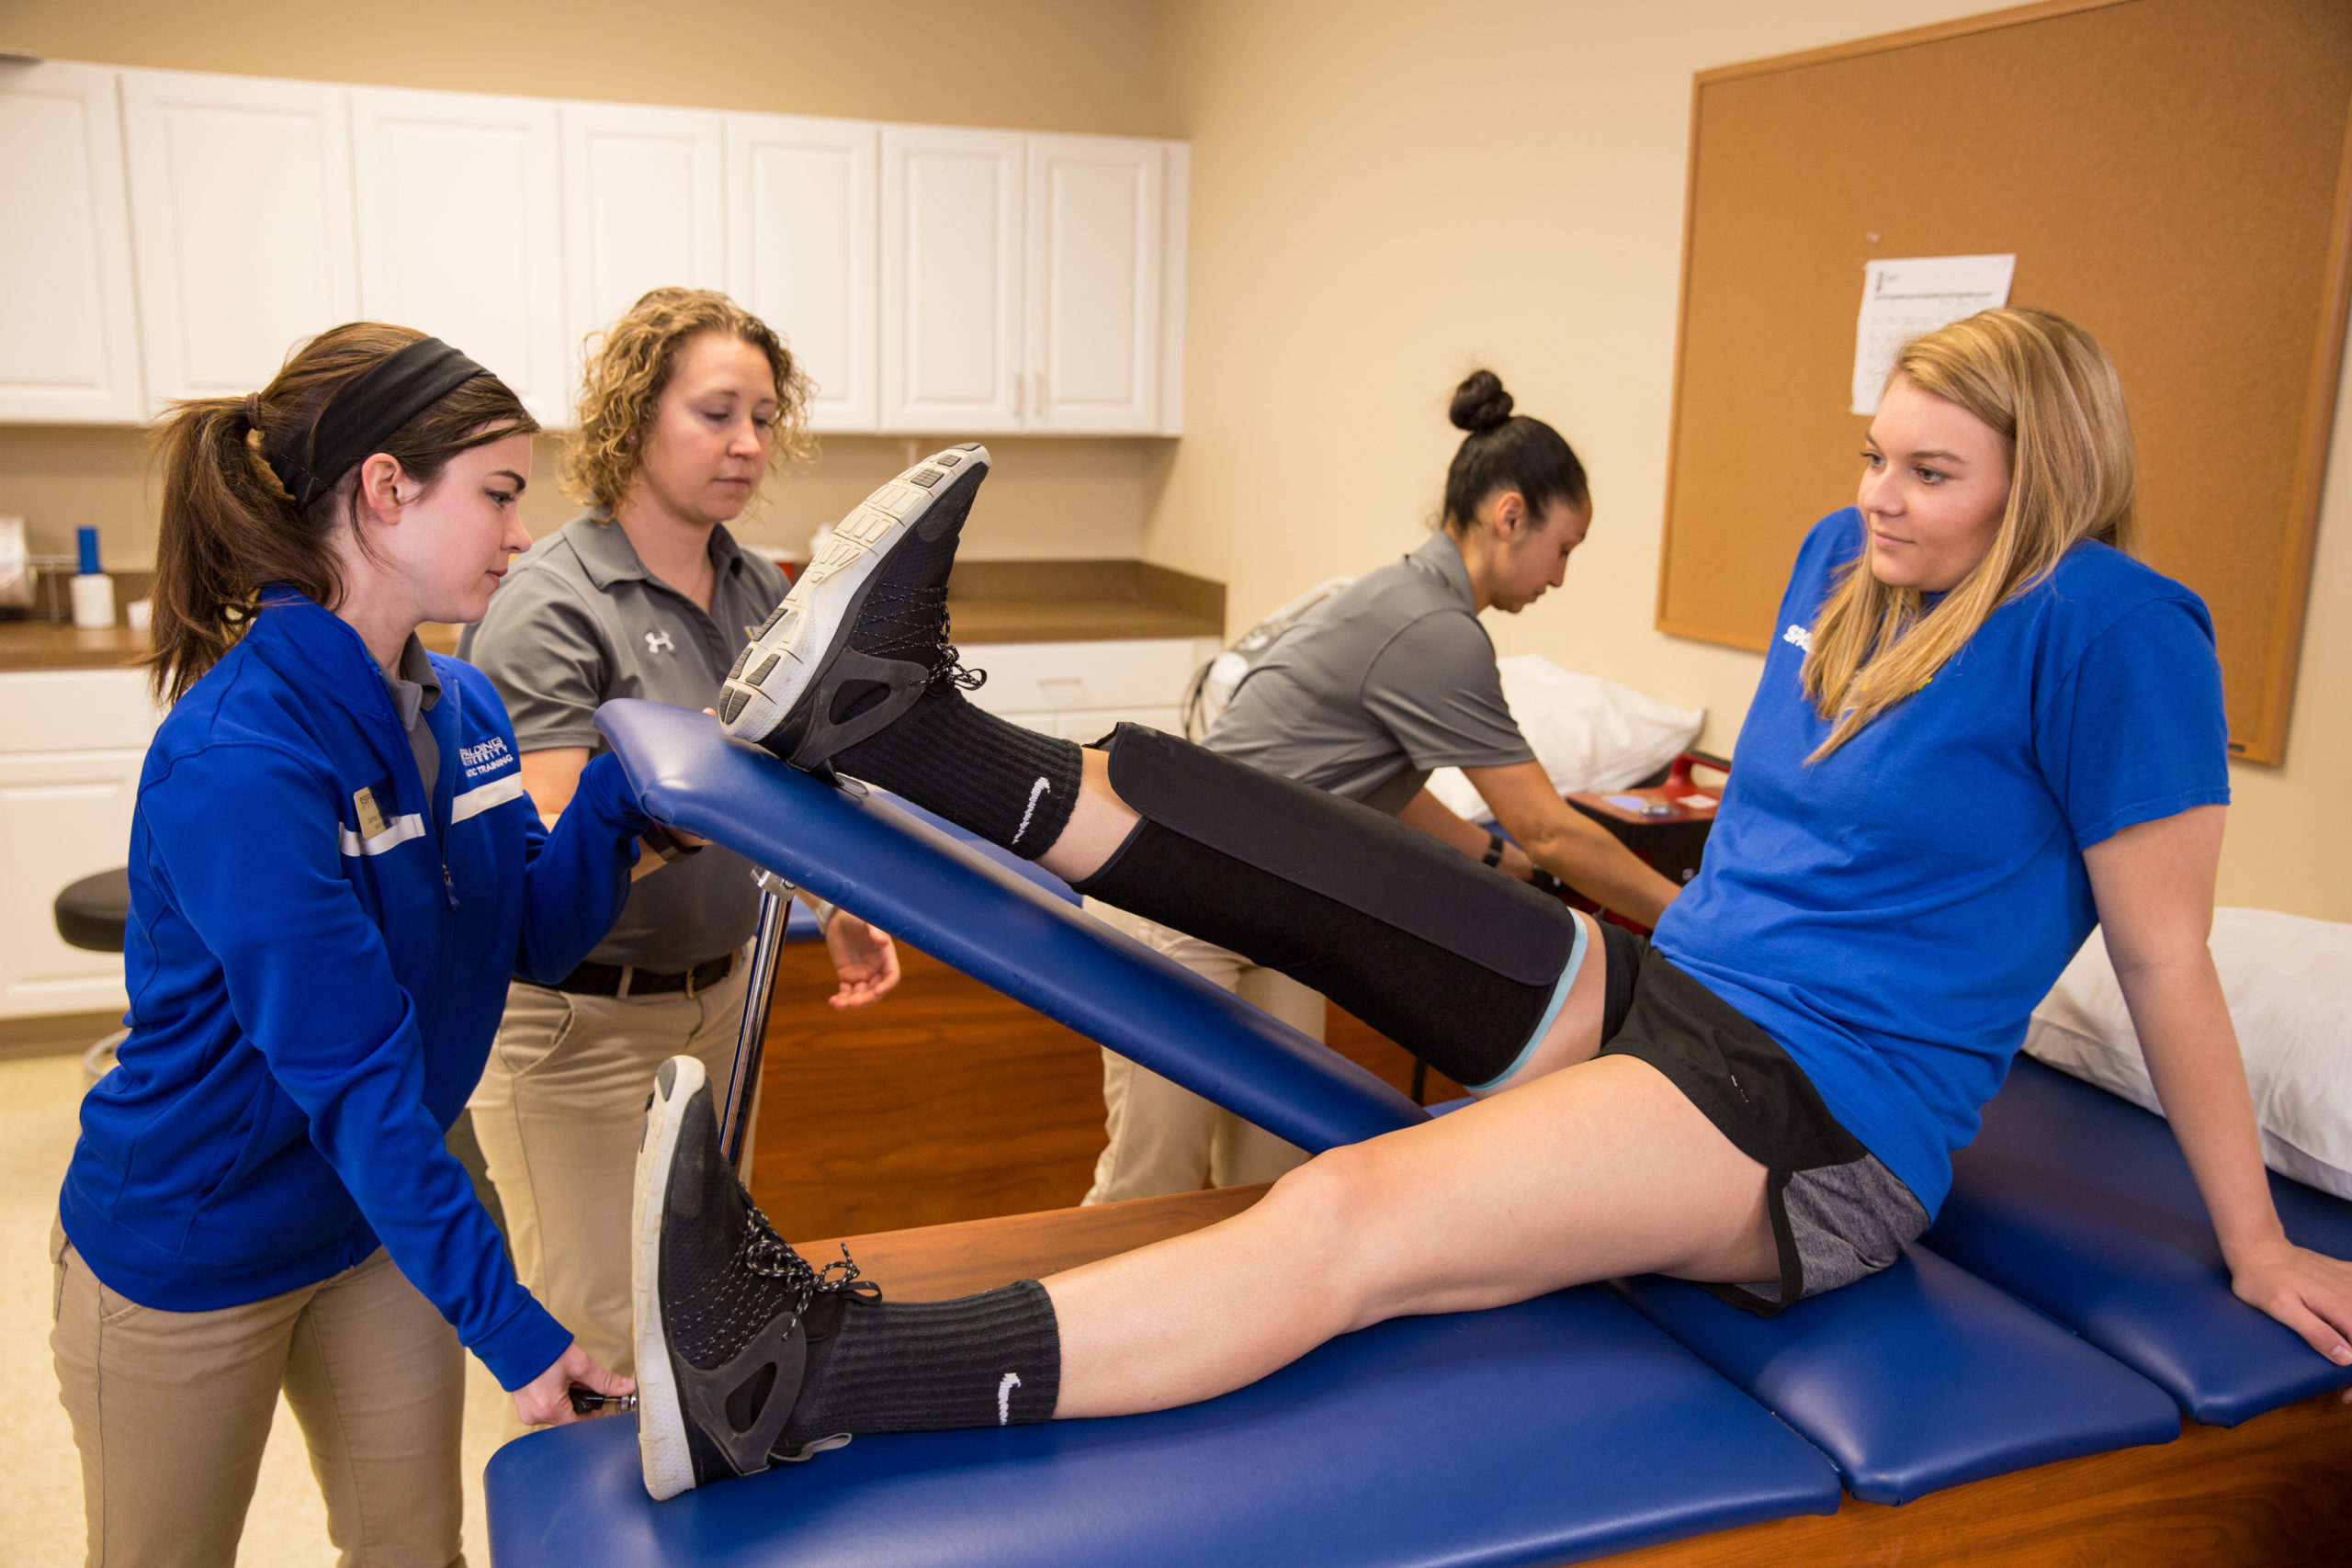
(334, 872)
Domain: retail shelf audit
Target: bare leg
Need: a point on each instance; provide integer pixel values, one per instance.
(1597, 1170)
(1098, 824)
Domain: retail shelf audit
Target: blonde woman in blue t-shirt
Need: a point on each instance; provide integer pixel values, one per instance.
(1984, 728)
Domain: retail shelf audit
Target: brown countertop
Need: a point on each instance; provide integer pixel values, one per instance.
(58, 645)
(1042, 601)
(1081, 600)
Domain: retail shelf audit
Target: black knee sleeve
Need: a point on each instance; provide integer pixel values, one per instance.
(1453, 962)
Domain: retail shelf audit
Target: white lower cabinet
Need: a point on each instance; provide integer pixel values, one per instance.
(72, 743)
(1081, 691)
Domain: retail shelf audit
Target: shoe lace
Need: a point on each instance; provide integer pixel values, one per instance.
(916, 622)
(766, 1253)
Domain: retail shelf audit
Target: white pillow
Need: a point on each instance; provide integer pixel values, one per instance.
(1588, 733)
(2289, 981)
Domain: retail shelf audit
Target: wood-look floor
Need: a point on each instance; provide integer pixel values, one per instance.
(945, 1101)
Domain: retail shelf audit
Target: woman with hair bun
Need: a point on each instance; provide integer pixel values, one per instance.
(1371, 692)
(334, 870)
(690, 402)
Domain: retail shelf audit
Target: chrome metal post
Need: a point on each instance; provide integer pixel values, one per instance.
(743, 1085)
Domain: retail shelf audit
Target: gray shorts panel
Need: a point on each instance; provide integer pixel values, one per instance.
(1843, 1221)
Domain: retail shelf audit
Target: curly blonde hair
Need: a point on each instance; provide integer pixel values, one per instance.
(629, 367)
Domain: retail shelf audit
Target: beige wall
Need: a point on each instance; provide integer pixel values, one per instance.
(1387, 194)
(1081, 65)
(1078, 66)
(1046, 499)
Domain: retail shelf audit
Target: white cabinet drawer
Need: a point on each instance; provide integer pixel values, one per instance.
(76, 710)
(63, 816)
(1072, 677)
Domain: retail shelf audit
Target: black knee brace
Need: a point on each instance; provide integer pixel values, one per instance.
(1446, 958)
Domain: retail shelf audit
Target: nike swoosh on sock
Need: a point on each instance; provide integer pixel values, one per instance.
(1004, 1388)
(1037, 792)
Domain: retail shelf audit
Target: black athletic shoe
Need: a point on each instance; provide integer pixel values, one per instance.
(863, 632)
(722, 1344)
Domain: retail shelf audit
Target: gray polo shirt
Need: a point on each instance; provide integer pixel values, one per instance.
(1378, 686)
(416, 690)
(578, 621)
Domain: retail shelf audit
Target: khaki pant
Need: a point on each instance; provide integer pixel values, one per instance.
(558, 1111)
(1167, 1139)
(170, 1411)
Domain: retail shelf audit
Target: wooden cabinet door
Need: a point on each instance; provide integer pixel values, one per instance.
(1095, 266)
(459, 229)
(951, 280)
(642, 197)
(802, 253)
(69, 330)
(240, 222)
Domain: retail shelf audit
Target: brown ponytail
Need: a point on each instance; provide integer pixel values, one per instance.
(229, 528)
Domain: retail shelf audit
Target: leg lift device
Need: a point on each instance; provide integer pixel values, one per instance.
(2067, 1302)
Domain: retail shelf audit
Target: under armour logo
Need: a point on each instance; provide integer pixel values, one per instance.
(659, 642)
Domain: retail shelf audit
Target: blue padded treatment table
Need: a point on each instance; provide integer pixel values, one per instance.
(1919, 1377)
(2081, 1203)
(853, 847)
(1559, 1428)
(800, 922)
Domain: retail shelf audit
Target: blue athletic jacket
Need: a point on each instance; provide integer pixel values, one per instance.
(317, 956)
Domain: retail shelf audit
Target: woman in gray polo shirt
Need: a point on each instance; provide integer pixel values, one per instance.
(689, 401)
(1373, 690)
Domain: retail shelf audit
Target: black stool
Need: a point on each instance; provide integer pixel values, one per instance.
(90, 915)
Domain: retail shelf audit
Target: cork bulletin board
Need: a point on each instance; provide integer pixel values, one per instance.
(2173, 174)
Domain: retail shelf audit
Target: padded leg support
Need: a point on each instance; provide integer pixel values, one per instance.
(1451, 961)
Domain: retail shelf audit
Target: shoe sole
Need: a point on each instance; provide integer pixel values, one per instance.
(661, 1446)
(793, 649)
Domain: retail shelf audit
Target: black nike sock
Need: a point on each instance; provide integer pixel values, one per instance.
(993, 1359)
(1012, 786)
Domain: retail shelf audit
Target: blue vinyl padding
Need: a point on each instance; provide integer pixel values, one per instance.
(870, 856)
(1560, 1428)
(2082, 1203)
(1919, 1377)
(801, 925)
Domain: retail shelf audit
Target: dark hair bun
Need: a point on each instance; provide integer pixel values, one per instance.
(1480, 403)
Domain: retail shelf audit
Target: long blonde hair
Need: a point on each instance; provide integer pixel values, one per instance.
(2046, 388)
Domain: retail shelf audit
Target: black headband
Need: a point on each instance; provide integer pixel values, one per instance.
(365, 414)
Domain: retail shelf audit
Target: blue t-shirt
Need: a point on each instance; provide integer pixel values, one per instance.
(1893, 914)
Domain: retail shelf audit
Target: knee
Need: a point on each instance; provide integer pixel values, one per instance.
(1328, 1207)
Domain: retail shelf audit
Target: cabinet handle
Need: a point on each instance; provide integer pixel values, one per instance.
(1037, 393)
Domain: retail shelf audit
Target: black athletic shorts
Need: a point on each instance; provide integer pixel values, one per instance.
(1837, 1213)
